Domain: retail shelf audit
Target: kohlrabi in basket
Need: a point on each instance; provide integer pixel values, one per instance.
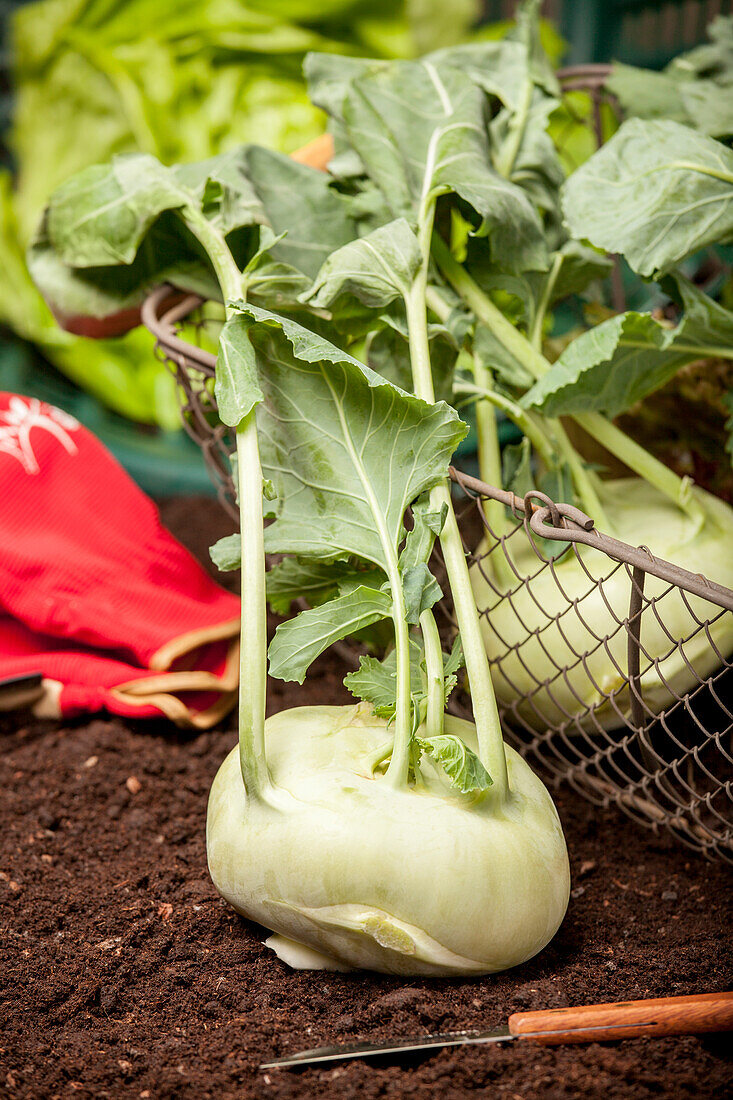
(640, 195)
(385, 834)
(470, 125)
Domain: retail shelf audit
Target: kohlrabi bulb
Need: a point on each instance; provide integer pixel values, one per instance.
(421, 880)
(527, 648)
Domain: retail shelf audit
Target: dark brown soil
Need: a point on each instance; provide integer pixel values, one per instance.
(124, 975)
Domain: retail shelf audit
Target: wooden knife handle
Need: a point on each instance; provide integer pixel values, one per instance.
(627, 1019)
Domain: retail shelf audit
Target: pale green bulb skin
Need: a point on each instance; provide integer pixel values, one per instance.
(520, 663)
(419, 881)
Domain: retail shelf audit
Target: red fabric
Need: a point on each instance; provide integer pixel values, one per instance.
(94, 592)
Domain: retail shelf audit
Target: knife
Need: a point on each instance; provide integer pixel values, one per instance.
(20, 691)
(586, 1024)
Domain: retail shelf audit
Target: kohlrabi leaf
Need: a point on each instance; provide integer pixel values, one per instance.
(504, 68)
(506, 367)
(420, 589)
(516, 471)
(695, 88)
(295, 578)
(645, 93)
(376, 681)
(237, 386)
(299, 641)
(580, 267)
(500, 68)
(224, 193)
(104, 291)
(315, 581)
(109, 235)
(460, 764)
(519, 478)
(299, 202)
(523, 151)
(713, 59)
(346, 451)
(420, 130)
(558, 485)
(453, 663)
(656, 192)
(100, 216)
(426, 527)
(388, 354)
(272, 283)
(376, 269)
(517, 70)
(709, 106)
(276, 285)
(527, 31)
(368, 207)
(615, 364)
(226, 554)
(706, 323)
(574, 266)
(328, 77)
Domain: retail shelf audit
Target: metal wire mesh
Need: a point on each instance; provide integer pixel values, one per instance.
(194, 368)
(612, 668)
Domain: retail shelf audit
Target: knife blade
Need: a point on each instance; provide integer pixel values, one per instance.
(690, 1015)
(343, 1051)
(20, 691)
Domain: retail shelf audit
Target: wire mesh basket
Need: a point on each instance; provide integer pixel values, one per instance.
(612, 667)
(627, 709)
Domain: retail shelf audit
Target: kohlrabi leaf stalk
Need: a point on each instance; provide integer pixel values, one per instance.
(435, 714)
(486, 714)
(250, 482)
(490, 467)
(616, 441)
